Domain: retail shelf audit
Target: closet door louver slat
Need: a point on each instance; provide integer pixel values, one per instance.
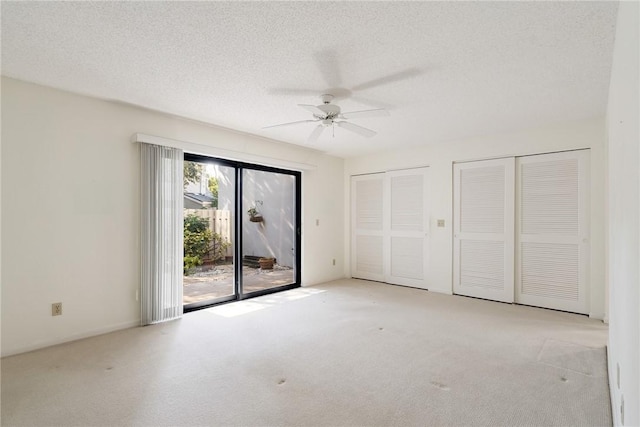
(482, 264)
(407, 255)
(369, 255)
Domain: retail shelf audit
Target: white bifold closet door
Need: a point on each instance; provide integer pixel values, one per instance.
(552, 230)
(390, 227)
(406, 227)
(483, 229)
(367, 198)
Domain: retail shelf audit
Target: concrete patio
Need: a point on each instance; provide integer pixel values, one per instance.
(218, 281)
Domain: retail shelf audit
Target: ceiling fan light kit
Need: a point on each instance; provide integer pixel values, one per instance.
(329, 114)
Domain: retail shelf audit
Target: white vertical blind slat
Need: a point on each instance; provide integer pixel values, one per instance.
(161, 236)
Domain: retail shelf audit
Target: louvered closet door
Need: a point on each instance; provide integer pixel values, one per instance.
(483, 229)
(407, 227)
(367, 261)
(552, 246)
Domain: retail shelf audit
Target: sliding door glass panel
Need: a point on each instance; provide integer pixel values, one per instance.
(269, 230)
(209, 205)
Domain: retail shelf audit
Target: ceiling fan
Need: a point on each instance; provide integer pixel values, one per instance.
(329, 115)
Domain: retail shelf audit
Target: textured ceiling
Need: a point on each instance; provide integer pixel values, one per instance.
(444, 70)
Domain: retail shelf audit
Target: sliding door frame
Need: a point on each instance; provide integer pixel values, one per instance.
(238, 229)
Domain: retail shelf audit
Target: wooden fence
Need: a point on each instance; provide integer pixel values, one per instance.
(219, 222)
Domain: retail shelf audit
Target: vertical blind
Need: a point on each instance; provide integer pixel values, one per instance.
(162, 229)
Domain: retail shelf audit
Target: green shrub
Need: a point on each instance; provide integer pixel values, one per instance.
(191, 262)
(219, 247)
(197, 241)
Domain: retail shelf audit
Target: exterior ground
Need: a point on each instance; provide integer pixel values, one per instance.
(217, 281)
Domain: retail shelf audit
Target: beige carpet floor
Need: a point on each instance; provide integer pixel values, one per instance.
(349, 352)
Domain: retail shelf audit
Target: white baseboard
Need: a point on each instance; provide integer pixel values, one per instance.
(74, 337)
(612, 392)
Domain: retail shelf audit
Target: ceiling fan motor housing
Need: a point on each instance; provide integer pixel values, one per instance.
(330, 110)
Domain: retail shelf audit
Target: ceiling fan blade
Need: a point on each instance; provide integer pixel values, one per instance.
(290, 123)
(357, 129)
(315, 134)
(315, 110)
(401, 75)
(293, 91)
(378, 112)
(373, 103)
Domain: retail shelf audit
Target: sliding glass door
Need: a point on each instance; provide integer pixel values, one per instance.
(268, 230)
(209, 211)
(225, 199)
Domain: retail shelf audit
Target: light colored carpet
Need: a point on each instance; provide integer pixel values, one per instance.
(349, 352)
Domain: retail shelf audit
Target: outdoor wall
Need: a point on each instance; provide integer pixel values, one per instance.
(624, 219)
(70, 160)
(273, 194)
(440, 158)
(226, 187)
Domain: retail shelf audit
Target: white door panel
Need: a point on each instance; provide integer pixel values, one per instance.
(367, 258)
(390, 227)
(483, 243)
(552, 250)
(407, 227)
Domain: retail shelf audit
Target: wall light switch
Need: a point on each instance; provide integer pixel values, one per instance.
(441, 223)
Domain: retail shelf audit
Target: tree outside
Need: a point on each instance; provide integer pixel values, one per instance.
(192, 173)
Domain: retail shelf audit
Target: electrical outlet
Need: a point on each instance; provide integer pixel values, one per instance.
(317, 222)
(334, 261)
(56, 309)
(441, 223)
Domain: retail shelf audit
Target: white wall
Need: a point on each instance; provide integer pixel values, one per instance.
(440, 158)
(71, 211)
(624, 218)
(323, 215)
